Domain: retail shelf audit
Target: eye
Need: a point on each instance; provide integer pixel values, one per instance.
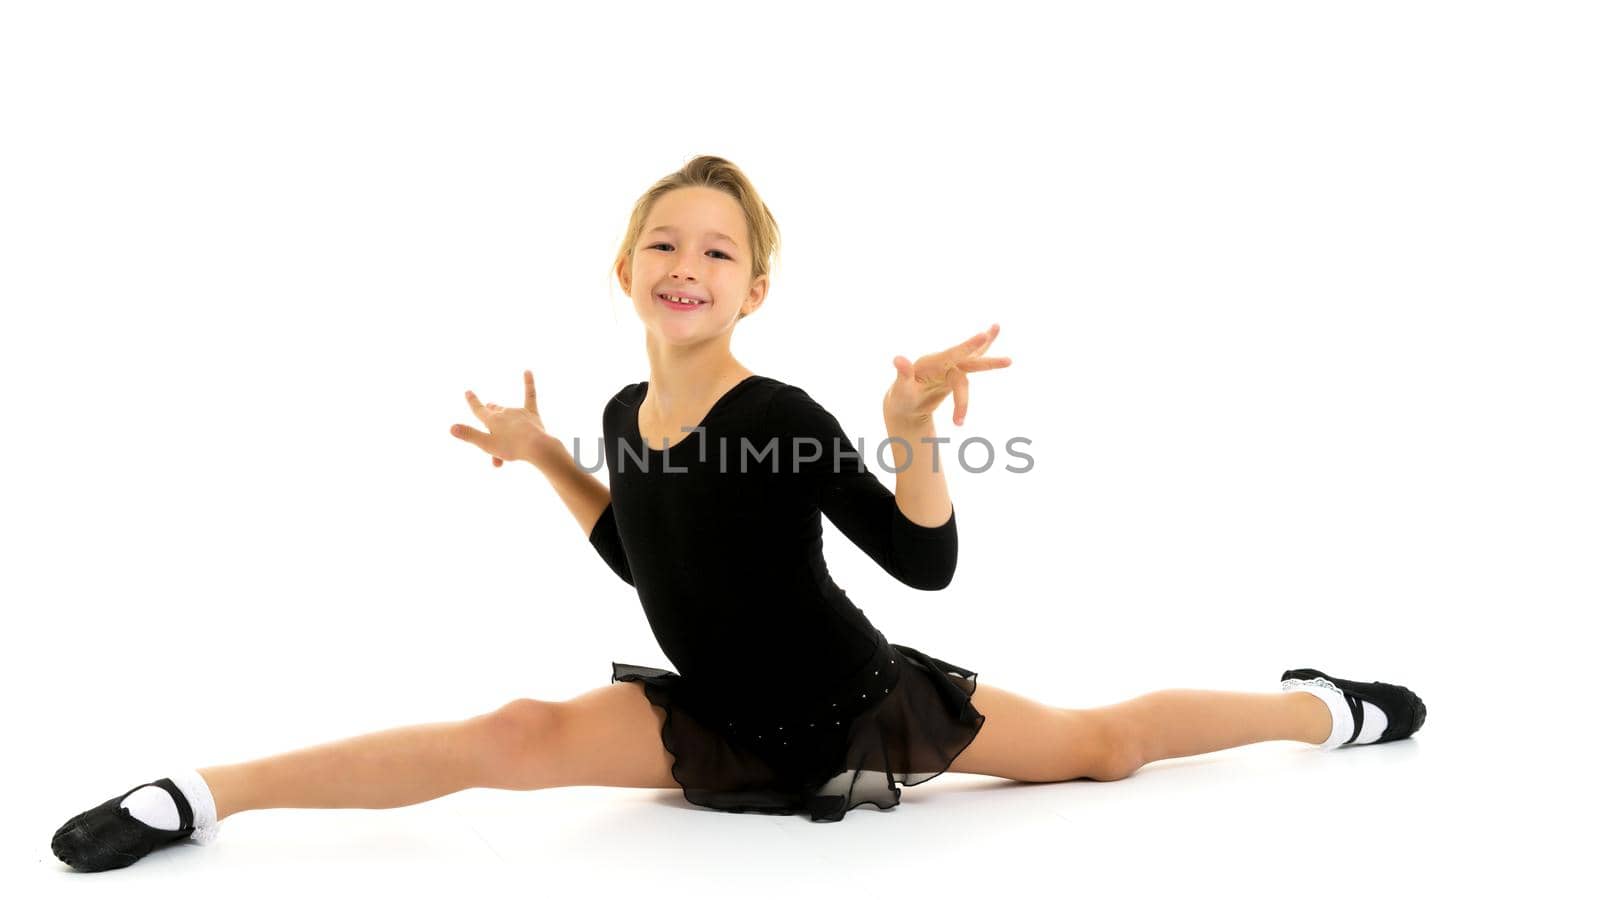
(664, 244)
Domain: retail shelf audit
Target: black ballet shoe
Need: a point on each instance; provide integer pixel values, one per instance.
(109, 837)
(1405, 709)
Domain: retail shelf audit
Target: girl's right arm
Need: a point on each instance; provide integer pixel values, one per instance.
(585, 495)
(518, 433)
(590, 503)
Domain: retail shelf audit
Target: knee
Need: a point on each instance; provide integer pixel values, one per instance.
(514, 732)
(1120, 752)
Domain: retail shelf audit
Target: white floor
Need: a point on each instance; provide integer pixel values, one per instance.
(1448, 809)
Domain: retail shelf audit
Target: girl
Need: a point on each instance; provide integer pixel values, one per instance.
(786, 698)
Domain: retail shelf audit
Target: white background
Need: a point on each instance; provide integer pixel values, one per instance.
(1301, 303)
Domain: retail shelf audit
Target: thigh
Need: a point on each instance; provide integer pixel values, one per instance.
(609, 737)
(612, 737)
(1026, 740)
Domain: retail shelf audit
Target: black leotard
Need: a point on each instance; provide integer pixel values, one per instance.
(728, 562)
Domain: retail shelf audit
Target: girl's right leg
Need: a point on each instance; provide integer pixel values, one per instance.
(610, 736)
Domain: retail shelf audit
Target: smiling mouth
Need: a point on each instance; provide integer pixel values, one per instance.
(680, 301)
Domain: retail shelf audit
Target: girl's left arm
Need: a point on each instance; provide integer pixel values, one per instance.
(908, 407)
(919, 490)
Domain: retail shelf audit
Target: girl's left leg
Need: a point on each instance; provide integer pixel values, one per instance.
(1183, 722)
(1025, 740)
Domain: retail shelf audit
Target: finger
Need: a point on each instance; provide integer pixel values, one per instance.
(985, 337)
(531, 401)
(983, 363)
(902, 367)
(987, 340)
(470, 435)
(969, 347)
(958, 386)
(477, 408)
(963, 348)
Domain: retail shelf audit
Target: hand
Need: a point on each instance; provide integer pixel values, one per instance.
(922, 385)
(514, 432)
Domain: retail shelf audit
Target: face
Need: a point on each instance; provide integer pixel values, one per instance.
(694, 244)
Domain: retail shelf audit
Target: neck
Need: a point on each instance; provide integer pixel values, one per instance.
(684, 380)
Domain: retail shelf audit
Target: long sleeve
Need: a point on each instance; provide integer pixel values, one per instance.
(857, 503)
(608, 542)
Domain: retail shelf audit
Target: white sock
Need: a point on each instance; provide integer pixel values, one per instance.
(153, 806)
(1373, 719)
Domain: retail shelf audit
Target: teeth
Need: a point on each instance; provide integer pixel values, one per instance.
(680, 300)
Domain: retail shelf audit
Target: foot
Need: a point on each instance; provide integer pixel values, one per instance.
(1403, 710)
(109, 837)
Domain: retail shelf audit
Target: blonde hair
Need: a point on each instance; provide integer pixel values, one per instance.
(712, 172)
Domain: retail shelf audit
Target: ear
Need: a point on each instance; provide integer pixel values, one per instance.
(758, 295)
(624, 276)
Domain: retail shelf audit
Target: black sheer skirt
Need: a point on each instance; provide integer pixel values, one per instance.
(903, 717)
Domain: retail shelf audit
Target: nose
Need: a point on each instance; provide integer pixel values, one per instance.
(683, 270)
